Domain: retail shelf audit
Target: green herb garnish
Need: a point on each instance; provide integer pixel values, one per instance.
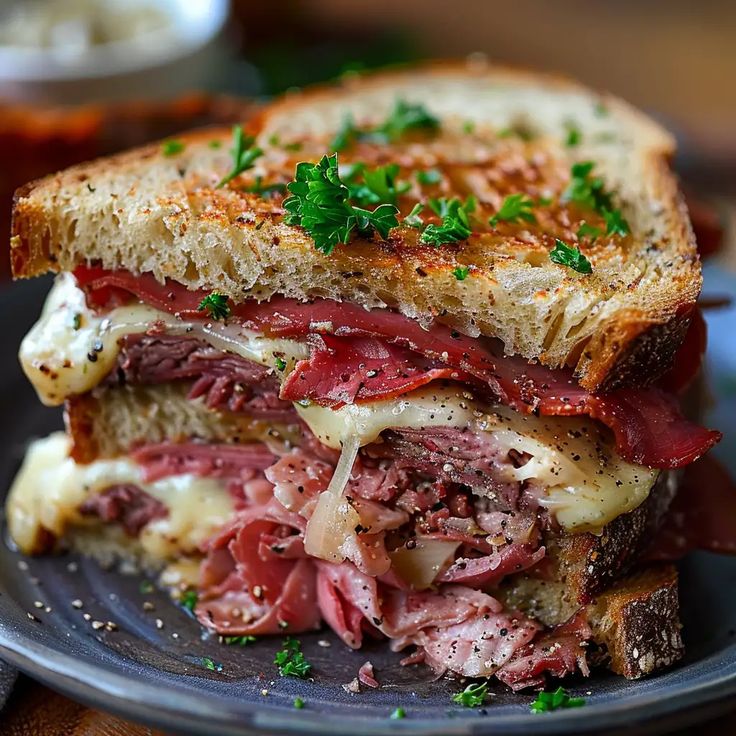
(398, 714)
(295, 146)
(258, 187)
(588, 231)
(455, 224)
(405, 117)
(244, 154)
(600, 109)
(413, 219)
(469, 127)
(214, 144)
(216, 305)
(280, 364)
(430, 176)
(473, 696)
(553, 701)
(514, 208)
(298, 703)
(374, 186)
(210, 664)
(461, 272)
(346, 135)
(145, 587)
(589, 191)
(172, 147)
(574, 136)
(189, 599)
(290, 660)
(320, 203)
(239, 641)
(565, 255)
(77, 321)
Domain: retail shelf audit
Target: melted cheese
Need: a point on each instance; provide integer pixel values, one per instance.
(70, 349)
(50, 487)
(587, 484)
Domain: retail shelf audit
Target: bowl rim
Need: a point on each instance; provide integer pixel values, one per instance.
(195, 31)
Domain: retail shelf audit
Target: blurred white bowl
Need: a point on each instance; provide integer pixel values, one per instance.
(185, 55)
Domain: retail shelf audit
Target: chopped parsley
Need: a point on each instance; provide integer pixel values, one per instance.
(430, 176)
(298, 703)
(413, 219)
(258, 187)
(290, 660)
(346, 134)
(244, 154)
(588, 231)
(77, 321)
(294, 146)
(553, 701)
(461, 272)
(589, 191)
(469, 127)
(600, 109)
(514, 208)
(455, 224)
(145, 587)
(280, 364)
(215, 144)
(405, 117)
(172, 147)
(210, 664)
(473, 696)
(216, 305)
(574, 136)
(320, 203)
(374, 186)
(565, 255)
(398, 714)
(189, 599)
(239, 641)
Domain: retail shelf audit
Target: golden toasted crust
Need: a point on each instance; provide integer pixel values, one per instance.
(148, 212)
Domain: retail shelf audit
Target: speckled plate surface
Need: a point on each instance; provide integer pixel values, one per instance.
(150, 667)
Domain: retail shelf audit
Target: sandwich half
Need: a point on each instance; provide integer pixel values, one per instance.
(403, 357)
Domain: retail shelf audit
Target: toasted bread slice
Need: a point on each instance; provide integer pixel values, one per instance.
(635, 623)
(500, 132)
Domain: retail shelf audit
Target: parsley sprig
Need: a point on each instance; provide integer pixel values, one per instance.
(566, 255)
(320, 203)
(514, 208)
(403, 118)
(290, 660)
(239, 641)
(455, 223)
(244, 154)
(188, 600)
(553, 701)
(589, 191)
(474, 695)
(461, 272)
(374, 186)
(216, 305)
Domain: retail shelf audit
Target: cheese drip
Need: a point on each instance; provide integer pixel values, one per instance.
(587, 483)
(50, 487)
(70, 349)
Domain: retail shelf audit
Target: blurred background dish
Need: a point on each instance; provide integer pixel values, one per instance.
(74, 51)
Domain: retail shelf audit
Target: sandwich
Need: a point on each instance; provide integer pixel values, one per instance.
(403, 355)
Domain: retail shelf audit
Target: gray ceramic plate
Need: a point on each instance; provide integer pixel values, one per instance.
(153, 672)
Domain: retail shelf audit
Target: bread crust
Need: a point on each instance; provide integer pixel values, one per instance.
(620, 326)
